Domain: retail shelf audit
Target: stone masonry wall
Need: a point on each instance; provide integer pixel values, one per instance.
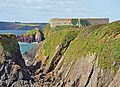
(81, 21)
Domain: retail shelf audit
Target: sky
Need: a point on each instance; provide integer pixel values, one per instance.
(42, 10)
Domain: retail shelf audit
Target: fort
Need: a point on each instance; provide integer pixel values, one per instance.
(77, 21)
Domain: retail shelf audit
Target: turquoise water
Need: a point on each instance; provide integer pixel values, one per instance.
(23, 46)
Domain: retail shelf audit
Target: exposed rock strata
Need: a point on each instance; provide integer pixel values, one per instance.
(12, 66)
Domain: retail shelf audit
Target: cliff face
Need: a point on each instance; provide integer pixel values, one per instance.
(81, 57)
(12, 66)
(9, 49)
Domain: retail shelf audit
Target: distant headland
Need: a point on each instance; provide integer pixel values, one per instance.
(20, 26)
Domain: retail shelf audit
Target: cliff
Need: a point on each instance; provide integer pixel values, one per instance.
(72, 57)
(34, 35)
(12, 65)
(81, 57)
(9, 49)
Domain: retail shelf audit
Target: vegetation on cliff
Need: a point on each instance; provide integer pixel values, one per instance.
(86, 56)
(48, 31)
(9, 49)
(103, 40)
(56, 38)
(100, 39)
(8, 42)
(32, 32)
(13, 71)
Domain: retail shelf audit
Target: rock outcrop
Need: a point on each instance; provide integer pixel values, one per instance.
(12, 66)
(116, 81)
(34, 35)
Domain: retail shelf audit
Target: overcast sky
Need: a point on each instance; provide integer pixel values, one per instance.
(43, 10)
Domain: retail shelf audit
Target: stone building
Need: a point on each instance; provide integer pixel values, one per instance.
(77, 21)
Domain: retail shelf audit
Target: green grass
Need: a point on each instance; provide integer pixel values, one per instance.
(99, 40)
(32, 32)
(60, 37)
(49, 31)
(55, 38)
(64, 27)
(8, 42)
(8, 45)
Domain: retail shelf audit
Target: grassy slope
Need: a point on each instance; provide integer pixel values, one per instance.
(49, 31)
(103, 41)
(59, 38)
(31, 32)
(100, 39)
(54, 38)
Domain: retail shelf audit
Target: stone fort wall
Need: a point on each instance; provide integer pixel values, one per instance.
(80, 22)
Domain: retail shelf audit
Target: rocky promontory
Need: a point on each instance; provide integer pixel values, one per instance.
(34, 35)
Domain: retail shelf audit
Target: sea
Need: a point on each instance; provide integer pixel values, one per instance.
(24, 47)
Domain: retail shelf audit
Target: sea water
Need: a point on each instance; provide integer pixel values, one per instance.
(24, 47)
